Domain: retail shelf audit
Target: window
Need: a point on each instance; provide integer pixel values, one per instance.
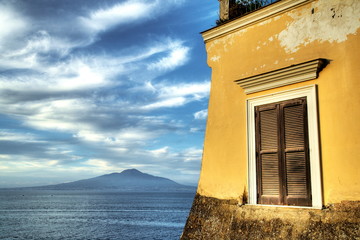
(283, 149)
(282, 162)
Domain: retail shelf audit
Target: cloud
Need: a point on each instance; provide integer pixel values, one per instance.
(177, 57)
(101, 165)
(80, 98)
(30, 40)
(178, 95)
(83, 97)
(126, 12)
(201, 115)
(180, 165)
(77, 72)
(46, 152)
(15, 24)
(167, 103)
(194, 130)
(6, 135)
(197, 90)
(192, 154)
(26, 39)
(161, 152)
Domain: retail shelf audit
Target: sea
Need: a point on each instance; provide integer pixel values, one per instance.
(64, 214)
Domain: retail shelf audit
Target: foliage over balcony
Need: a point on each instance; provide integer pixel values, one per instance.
(238, 8)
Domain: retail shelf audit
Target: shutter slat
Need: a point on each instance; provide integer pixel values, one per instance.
(296, 173)
(270, 174)
(295, 161)
(294, 126)
(268, 129)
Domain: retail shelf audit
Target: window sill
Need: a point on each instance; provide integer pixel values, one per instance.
(280, 206)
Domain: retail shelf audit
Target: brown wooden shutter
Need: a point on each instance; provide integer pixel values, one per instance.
(268, 169)
(295, 153)
(283, 173)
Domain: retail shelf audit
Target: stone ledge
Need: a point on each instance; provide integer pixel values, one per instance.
(212, 218)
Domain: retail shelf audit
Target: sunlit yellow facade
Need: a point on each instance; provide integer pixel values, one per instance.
(327, 29)
(269, 42)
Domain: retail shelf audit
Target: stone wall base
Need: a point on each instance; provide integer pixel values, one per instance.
(211, 218)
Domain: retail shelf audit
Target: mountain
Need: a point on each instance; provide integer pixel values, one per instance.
(127, 180)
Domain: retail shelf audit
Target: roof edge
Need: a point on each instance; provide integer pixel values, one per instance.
(252, 18)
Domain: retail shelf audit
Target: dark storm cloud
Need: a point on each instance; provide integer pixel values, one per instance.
(14, 148)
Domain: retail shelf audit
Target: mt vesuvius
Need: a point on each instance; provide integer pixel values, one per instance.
(127, 180)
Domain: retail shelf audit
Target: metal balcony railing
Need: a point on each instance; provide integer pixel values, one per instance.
(238, 8)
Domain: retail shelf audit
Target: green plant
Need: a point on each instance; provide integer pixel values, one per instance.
(238, 8)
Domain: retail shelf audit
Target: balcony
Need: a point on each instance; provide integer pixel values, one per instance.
(231, 9)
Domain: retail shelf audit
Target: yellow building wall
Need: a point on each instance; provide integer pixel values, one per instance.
(327, 29)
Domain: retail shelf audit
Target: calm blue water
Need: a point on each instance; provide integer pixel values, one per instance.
(43, 214)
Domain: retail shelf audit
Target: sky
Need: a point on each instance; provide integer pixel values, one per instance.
(91, 87)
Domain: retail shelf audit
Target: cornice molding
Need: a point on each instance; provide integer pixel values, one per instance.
(252, 18)
(282, 77)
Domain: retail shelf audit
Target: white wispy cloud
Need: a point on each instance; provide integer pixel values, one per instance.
(196, 89)
(176, 57)
(169, 154)
(78, 72)
(6, 135)
(27, 165)
(121, 13)
(178, 95)
(166, 103)
(192, 154)
(120, 140)
(40, 41)
(15, 24)
(201, 115)
(161, 152)
(81, 75)
(101, 165)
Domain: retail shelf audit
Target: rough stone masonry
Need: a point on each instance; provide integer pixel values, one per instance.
(212, 218)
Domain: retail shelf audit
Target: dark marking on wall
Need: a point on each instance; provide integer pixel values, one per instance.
(334, 12)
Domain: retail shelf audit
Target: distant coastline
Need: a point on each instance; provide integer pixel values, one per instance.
(130, 180)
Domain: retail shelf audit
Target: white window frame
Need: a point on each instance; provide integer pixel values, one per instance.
(310, 93)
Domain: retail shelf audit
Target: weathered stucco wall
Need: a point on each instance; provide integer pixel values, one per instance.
(317, 29)
(314, 29)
